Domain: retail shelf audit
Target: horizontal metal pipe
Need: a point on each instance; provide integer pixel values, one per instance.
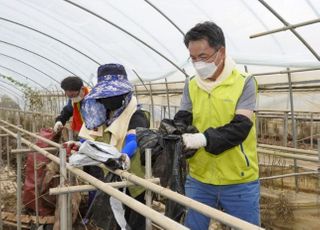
(293, 150)
(283, 110)
(281, 117)
(4, 135)
(27, 112)
(290, 175)
(286, 71)
(293, 26)
(158, 218)
(302, 40)
(87, 188)
(288, 155)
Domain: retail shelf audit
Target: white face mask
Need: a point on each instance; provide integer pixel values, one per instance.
(79, 97)
(76, 99)
(205, 70)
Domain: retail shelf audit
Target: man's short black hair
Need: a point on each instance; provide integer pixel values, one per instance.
(208, 31)
(72, 83)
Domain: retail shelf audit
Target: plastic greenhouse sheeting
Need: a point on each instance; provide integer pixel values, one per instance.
(46, 41)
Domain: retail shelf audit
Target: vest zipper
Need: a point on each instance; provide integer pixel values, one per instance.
(245, 156)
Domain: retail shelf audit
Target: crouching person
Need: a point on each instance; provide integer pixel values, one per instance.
(111, 115)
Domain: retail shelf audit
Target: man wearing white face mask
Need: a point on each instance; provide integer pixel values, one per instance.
(75, 91)
(219, 101)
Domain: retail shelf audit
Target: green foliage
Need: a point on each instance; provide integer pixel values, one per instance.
(33, 98)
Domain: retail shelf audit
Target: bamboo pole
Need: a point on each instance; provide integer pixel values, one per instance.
(30, 150)
(318, 145)
(168, 100)
(156, 217)
(88, 188)
(220, 216)
(35, 173)
(19, 184)
(1, 222)
(161, 220)
(311, 130)
(69, 202)
(24, 120)
(152, 106)
(63, 198)
(1, 157)
(148, 194)
(8, 152)
(36, 193)
(285, 129)
(18, 117)
(293, 126)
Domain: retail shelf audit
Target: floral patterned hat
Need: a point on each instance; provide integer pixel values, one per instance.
(112, 81)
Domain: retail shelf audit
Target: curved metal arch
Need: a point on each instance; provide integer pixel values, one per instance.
(81, 34)
(142, 28)
(92, 42)
(31, 66)
(11, 85)
(165, 16)
(313, 8)
(51, 37)
(1, 66)
(15, 97)
(262, 23)
(281, 19)
(97, 45)
(39, 55)
(128, 33)
(10, 92)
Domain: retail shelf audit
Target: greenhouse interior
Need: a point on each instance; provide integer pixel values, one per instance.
(113, 115)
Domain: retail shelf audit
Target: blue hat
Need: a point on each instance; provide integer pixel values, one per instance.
(112, 81)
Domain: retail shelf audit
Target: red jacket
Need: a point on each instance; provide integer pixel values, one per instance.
(76, 116)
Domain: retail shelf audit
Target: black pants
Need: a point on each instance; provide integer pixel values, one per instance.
(135, 220)
(97, 172)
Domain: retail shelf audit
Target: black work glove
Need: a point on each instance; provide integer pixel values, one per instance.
(113, 164)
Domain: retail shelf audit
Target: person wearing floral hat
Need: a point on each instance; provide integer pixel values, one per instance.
(111, 111)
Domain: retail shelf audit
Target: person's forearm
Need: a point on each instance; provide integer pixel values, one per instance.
(223, 138)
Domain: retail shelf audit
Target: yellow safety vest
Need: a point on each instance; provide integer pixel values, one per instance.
(236, 165)
(135, 166)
